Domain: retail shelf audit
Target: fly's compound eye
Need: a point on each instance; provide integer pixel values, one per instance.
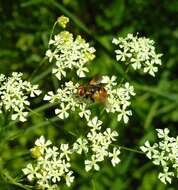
(81, 90)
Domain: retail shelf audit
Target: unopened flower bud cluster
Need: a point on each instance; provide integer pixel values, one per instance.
(62, 21)
(14, 94)
(139, 52)
(68, 53)
(164, 154)
(52, 164)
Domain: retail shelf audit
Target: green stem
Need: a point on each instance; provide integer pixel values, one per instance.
(6, 118)
(38, 68)
(44, 58)
(44, 107)
(52, 31)
(42, 124)
(151, 114)
(93, 184)
(166, 109)
(46, 122)
(42, 75)
(129, 149)
(126, 71)
(155, 91)
(34, 112)
(10, 180)
(41, 108)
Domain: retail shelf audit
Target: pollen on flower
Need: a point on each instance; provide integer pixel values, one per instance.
(68, 53)
(51, 165)
(139, 52)
(14, 94)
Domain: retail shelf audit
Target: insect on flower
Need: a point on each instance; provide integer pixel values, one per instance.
(94, 90)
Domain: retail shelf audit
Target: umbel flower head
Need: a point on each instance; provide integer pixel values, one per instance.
(53, 164)
(68, 100)
(14, 95)
(164, 154)
(139, 52)
(69, 53)
(50, 166)
(97, 145)
(119, 96)
(118, 99)
(99, 142)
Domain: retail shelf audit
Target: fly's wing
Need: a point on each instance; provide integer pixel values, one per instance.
(95, 80)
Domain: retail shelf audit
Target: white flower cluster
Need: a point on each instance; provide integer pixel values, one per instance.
(14, 95)
(98, 145)
(51, 165)
(118, 98)
(69, 53)
(164, 154)
(139, 52)
(117, 101)
(68, 100)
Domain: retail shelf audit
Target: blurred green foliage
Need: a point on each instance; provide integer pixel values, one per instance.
(25, 26)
